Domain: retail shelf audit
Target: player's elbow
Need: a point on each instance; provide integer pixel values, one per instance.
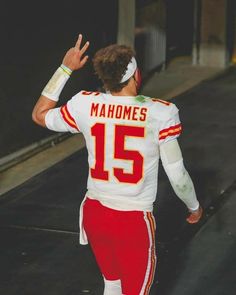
(38, 117)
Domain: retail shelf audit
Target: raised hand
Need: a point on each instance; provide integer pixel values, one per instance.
(74, 58)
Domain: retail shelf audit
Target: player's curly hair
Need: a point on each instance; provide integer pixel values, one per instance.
(110, 64)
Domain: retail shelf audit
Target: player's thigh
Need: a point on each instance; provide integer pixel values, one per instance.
(96, 227)
(136, 254)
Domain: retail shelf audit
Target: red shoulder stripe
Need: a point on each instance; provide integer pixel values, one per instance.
(67, 117)
(161, 101)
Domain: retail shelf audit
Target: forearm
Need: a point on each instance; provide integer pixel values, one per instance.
(73, 60)
(180, 180)
(182, 184)
(50, 95)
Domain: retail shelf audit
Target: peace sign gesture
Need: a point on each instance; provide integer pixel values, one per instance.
(74, 59)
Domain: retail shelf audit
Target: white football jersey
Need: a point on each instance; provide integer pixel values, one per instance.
(122, 135)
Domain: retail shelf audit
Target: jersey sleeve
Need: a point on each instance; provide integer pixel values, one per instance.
(169, 125)
(61, 119)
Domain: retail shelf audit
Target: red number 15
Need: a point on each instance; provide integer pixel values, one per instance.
(121, 132)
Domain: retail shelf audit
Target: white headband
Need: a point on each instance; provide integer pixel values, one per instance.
(131, 68)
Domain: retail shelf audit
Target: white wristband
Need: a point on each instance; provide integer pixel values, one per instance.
(55, 85)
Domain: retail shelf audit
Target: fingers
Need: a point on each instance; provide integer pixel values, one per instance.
(83, 61)
(78, 44)
(74, 57)
(85, 47)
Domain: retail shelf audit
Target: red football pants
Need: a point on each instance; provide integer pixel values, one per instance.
(123, 243)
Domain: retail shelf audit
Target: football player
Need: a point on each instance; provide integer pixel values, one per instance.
(126, 134)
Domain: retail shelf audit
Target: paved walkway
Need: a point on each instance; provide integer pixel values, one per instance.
(207, 264)
(178, 77)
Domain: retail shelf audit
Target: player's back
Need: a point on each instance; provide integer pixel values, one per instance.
(122, 136)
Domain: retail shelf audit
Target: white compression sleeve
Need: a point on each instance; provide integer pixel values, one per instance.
(55, 85)
(112, 287)
(180, 180)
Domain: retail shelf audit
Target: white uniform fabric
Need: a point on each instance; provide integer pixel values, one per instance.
(112, 287)
(123, 151)
(180, 180)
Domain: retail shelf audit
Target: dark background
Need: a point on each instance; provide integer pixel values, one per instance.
(34, 38)
(179, 27)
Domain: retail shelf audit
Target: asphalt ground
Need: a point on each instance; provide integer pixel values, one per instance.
(39, 249)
